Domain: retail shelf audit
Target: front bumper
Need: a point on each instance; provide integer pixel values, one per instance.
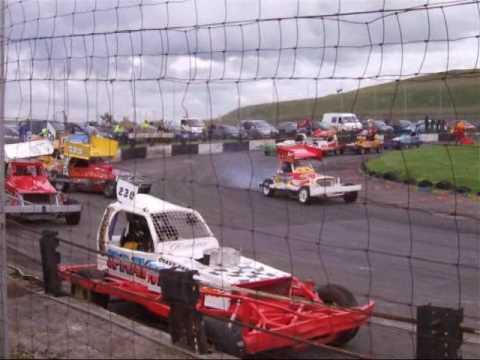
(39, 209)
(333, 191)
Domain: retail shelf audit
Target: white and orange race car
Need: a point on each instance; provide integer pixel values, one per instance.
(297, 177)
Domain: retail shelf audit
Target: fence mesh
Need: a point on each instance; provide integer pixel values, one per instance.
(223, 61)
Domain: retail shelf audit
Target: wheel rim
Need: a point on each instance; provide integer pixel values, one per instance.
(303, 196)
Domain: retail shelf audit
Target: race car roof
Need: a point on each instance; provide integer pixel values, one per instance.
(150, 204)
(299, 152)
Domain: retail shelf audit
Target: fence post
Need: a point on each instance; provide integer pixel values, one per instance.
(50, 261)
(4, 337)
(439, 332)
(181, 292)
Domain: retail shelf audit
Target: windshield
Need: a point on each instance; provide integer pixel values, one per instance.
(29, 170)
(179, 225)
(349, 119)
(192, 122)
(262, 124)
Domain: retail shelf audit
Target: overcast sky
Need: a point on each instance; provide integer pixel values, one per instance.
(203, 58)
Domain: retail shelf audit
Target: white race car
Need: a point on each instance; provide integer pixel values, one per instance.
(297, 177)
(248, 306)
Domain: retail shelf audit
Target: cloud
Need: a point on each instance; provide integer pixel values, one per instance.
(155, 58)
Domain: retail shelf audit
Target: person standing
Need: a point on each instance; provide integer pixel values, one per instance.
(23, 131)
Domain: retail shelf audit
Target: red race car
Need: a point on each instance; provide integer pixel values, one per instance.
(86, 166)
(29, 191)
(94, 175)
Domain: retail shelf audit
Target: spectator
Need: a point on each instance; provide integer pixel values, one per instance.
(23, 131)
(444, 125)
(427, 122)
(145, 124)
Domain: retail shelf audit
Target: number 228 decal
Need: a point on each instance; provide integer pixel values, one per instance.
(126, 193)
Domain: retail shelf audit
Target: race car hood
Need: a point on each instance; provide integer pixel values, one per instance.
(30, 184)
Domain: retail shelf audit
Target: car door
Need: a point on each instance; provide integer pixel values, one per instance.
(123, 261)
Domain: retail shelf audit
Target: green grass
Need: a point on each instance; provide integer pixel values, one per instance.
(459, 165)
(438, 95)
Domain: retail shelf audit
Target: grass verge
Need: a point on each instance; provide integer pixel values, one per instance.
(438, 164)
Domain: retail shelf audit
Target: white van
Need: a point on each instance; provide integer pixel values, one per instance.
(342, 121)
(193, 129)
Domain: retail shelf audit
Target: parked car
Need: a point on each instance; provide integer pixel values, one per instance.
(402, 126)
(382, 126)
(406, 140)
(287, 128)
(342, 121)
(259, 129)
(224, 131)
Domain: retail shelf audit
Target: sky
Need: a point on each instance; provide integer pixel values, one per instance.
(159, 59)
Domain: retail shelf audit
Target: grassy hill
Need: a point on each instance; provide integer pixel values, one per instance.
(445, 96)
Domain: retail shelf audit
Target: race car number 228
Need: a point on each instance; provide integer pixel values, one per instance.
(126, 193)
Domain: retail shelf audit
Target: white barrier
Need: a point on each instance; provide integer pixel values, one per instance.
(429, 138)
(159, 151)
(258, 144)
(213, 148)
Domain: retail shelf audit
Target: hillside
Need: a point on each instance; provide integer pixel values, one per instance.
(455, 97)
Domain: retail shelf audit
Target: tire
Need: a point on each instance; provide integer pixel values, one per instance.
(227, 337)
(72, 218)
(337, 295)
(304, 196)
(350, 197)
(101, 300)
(110, 189)
(266, 189)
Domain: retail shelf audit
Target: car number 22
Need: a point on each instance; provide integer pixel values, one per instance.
(126, 193)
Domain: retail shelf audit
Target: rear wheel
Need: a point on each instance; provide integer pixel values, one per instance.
(266, 188)
(336, 295)
(109, 189)
(304, 196)
(225, 335)
(350, 197)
